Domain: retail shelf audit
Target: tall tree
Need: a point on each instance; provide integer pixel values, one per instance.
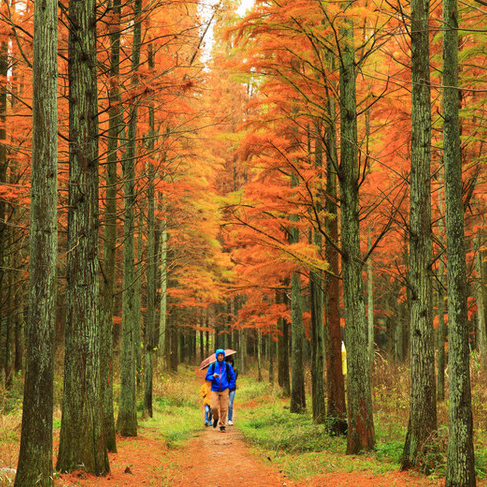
(82, 440)
(336, 411)
(422, 413)
(150, 328)
(127, 413)
(316, 283)
(115, 124)
(35, 458)
(4, 66)
(360, 435)
(460, 467)
(298, 398)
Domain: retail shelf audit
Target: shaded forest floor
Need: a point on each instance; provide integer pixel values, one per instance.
(268, 446)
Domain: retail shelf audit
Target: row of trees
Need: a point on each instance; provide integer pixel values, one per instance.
(118, 90)
(253, 199)
(351, 84)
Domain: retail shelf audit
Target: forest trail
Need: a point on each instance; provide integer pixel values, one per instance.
(215, 459)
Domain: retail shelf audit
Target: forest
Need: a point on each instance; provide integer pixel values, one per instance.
(293, 180)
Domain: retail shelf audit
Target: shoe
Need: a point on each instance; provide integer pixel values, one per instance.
(230, 423)
(207, 424)
(223, 429)
(215, 422)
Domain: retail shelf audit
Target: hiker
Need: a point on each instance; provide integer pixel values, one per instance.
(205, 393)
(231, 392)
(222, 378)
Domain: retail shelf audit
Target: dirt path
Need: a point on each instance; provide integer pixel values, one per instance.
(215, 459)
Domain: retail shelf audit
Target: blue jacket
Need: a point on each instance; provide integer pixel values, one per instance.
(224, 381)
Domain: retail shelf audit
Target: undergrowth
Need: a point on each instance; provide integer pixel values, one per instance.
(176, 408)
(303, 449)
(293, 442)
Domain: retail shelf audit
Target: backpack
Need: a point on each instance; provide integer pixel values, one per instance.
(213, 365)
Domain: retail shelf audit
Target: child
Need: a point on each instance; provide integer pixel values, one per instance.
(205, 393)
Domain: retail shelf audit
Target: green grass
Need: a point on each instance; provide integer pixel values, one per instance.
(299, 448)
(176, 410)
(303, 449)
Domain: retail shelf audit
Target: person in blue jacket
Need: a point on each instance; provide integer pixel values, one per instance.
(222, 378)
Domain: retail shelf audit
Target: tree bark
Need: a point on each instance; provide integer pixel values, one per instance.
(422, 414)
(242, 339)
(150, 325)
(163, 338)
(115, 124)
(139, 367)
(127, 413)
(4, 65)
(360, 435)
(480, 298)
(370, 309)
(336, 411)
(316, 284)
(298, 398)
(82, 441)
(460, 464)
(35, 465)
(7, 321)
(272, 356)
(259, 356)
(283, 378)
(442, 328)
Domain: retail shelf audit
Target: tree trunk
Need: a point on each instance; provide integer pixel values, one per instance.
(403, 331)
(370, 309)
(139, 368)
(360, 435)
(82, 440)
(480, 298)
(272, 357)
(298, 398)
(336, 412)
(4, 65)
(8, 320)
(442, 328)
(317, 301)
(115, 124)
(163, 338)
(422, 414)
(151, 265)
(174, 346)
(259, 356)
(19, 329)
(442, 336)
(318, 348)
(35, 458)
(127, 413)
(242, 344)
(460, 465)
(283, 378)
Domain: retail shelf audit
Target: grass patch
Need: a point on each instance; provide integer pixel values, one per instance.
(177, 414)
(301, 448)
